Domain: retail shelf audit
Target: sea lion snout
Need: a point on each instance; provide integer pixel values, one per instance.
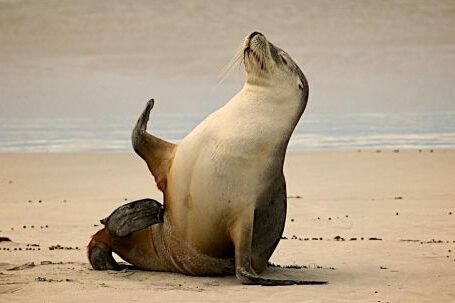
(251, 36)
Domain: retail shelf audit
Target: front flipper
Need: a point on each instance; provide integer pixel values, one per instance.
(134, 216)
(241, 235)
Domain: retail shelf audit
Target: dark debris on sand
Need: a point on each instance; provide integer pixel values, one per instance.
(295, 266)
(338, 238)
(58, 247)
(44, 279)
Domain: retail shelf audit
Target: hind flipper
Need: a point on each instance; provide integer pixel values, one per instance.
(157, 153)
(101, 259)
(134, 216)
(100, 252)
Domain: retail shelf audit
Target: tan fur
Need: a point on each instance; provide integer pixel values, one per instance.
(223, 185)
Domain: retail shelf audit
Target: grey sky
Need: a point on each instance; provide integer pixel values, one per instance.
(76, 58)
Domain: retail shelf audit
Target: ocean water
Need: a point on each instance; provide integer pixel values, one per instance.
(314, 132)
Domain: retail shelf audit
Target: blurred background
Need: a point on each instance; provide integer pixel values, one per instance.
(75, 75)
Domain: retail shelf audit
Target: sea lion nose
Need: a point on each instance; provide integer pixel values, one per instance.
(254, 34)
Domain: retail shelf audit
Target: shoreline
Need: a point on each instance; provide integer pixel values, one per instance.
(289, 151)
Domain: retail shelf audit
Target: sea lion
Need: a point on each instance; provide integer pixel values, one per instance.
(223, 185)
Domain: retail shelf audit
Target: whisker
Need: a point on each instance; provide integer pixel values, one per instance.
(237, 61)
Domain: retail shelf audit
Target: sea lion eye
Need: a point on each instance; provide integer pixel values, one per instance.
(284, 60)
(300, 85)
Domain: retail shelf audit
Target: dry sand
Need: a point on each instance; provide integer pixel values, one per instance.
(392, 196)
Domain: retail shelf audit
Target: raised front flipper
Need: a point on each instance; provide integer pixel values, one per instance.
(134, 216)
(157, 153)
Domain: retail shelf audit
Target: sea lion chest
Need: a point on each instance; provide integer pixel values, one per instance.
(222, 168)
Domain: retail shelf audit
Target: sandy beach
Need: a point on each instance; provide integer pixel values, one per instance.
(379, 226)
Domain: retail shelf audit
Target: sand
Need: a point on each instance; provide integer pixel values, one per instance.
(406, 199)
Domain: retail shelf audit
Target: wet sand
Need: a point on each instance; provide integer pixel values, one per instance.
(379, 226)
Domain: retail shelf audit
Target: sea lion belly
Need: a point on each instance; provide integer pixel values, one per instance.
(229, 169)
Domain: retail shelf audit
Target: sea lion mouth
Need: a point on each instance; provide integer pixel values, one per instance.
(256, 51)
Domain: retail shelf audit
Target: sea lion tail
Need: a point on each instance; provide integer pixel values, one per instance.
(157, 153)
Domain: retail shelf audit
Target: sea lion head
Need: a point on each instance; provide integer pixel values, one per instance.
(267, 64)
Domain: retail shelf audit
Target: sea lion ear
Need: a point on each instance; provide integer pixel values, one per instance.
(134, 216)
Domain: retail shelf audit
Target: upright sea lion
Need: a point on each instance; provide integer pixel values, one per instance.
(223, 185)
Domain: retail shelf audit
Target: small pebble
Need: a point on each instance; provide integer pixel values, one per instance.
(46, 226)
(330, 219)
(24, 226)
(39, 201)
(33, 226)
(396, 214)
(29, 201)
(292, 220)
(10, 181)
